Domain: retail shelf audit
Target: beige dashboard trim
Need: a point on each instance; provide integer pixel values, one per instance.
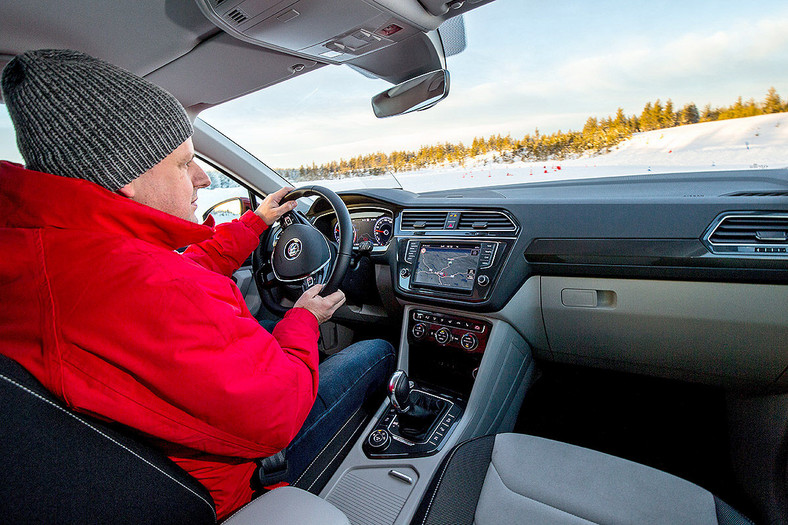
(716, 331)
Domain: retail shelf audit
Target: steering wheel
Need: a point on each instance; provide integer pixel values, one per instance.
(297, 254)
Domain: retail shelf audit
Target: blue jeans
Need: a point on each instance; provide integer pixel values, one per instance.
(347, 378)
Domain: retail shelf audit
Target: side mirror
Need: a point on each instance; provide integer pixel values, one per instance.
(228, 209)
(416, 94)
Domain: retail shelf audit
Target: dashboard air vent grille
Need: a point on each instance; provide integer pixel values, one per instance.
(423, 220)
(237, 16)
(485, 220)
(758, 194)
(751, 230)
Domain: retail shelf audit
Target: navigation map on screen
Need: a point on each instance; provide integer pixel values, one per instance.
(447, 266)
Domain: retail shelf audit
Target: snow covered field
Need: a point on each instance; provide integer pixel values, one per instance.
(746, 143)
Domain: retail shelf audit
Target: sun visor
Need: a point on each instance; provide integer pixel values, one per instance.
(238, 68)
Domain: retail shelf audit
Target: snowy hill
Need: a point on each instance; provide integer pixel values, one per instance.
(754, 142)
(746, 143)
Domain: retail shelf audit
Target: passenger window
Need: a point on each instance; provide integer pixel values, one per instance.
(225, 199)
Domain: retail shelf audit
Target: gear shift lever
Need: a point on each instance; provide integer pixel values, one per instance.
(416, 411)
(399, 391)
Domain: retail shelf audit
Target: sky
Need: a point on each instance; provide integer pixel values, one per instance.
(528, 65)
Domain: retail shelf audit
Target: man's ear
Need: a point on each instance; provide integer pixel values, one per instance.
(127, 190)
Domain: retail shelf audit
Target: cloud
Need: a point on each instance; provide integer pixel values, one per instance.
(712, 54)
(700, 66)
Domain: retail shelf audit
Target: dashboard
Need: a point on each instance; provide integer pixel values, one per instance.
(680, 275)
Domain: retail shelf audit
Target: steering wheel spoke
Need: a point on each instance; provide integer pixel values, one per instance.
(288, 219)
(311, 280)
(292, 217)
(268, 280)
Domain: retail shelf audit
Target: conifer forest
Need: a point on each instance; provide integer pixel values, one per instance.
(597, 136)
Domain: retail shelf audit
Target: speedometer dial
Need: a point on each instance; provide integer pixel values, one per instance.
(336, 232)
(383, 228)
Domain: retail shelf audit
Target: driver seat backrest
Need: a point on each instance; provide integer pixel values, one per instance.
(60, 467)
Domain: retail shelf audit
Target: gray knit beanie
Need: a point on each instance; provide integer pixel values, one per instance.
(81, 117)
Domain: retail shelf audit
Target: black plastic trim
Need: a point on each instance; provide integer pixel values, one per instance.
(679, 259)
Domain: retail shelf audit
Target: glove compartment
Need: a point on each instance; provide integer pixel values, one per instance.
(717, 333)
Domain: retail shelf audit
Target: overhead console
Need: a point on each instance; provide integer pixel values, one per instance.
(453, 255)
(335, 32)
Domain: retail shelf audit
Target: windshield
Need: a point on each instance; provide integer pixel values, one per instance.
(546, 91)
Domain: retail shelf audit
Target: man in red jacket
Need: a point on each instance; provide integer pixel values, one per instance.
(98, 305)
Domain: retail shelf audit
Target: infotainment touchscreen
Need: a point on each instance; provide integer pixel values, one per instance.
(451, 266)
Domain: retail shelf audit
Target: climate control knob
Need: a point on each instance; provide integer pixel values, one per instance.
(469, 341)
(443, 335)
(419, 330)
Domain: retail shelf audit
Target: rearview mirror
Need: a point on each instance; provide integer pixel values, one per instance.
(416, 94)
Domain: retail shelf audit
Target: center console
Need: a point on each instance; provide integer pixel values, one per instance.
(452, 255)
(446, 349)
(445, 355)
(386, 440)
(469, 374)
(462, 375)
(452, 270)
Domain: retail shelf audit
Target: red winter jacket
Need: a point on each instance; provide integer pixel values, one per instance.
(96, 303)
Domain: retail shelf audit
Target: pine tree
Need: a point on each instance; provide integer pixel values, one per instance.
(668, 117)
(709, 114)
(621, 119)
(773, 103)
(648, 121)
(689, 115)
(658, 116)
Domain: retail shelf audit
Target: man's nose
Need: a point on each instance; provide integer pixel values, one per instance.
(198, 176)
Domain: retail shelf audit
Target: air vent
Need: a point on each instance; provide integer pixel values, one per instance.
(485, 220)
(758, 194)
(237, 16)
(423, 220)
(219, 2)
(750, 230)
(754, 234)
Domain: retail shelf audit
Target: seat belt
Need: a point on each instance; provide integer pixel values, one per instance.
(272, 470)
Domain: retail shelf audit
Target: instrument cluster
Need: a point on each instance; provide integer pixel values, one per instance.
(369, 224)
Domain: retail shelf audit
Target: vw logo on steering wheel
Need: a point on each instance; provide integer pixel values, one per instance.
(292, 249)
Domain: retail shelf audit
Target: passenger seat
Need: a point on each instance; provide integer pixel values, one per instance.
(515, 478)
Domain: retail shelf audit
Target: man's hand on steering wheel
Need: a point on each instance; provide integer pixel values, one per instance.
(270, 210)
(321, 307)
(297, 254)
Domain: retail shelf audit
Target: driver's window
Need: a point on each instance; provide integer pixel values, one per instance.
(225, 199)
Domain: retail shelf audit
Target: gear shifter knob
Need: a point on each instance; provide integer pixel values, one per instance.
(399, 391)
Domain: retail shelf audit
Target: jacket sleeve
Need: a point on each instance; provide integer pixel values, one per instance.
(230, 244)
